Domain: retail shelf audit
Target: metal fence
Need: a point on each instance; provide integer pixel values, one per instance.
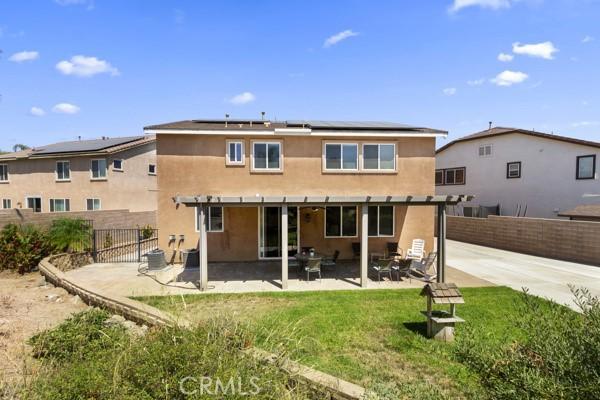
(123, 245)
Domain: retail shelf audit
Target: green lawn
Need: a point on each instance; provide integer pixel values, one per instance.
(374, 338)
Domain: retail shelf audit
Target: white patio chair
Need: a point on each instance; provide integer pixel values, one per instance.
(417, 250)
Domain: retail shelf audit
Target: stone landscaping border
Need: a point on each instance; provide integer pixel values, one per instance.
(334, 388)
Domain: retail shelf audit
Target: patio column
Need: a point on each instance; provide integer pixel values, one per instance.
(284, 247)
(364, 244)
(202, 248)
(441, 243)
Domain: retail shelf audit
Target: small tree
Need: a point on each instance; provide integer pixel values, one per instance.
(19, 147)
(69, 234)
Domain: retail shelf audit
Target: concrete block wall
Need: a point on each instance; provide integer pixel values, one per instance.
(103, 219)
(577, 241)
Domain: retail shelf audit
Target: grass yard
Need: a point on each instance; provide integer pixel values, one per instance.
(374, 338)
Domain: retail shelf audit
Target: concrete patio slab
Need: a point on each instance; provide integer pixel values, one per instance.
(543, 277)
(124, 279)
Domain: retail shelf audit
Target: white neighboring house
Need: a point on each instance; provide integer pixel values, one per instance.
(521, 172)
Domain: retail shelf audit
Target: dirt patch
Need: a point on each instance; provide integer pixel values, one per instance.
(27, 306)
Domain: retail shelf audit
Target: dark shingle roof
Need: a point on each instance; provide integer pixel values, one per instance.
(497, 131)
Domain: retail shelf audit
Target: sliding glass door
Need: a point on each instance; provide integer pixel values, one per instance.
(269, 245)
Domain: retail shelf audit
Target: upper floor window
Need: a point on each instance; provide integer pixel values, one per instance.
(6, 204)
(381, 157)
(513, 170)
(266, 156)
(235, 152)
(93, 204)
(117, 165)
(586, 167)
(341, 156)
(63, 170)
(485, 150)
(340, 221)
(60, 205)
(381, 221)
(151, 169)
(214, 219)
(3, 172)
(450, 176)
(98, 169)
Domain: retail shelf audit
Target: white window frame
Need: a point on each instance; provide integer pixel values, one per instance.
(93, 200)
(7, 180)
(378, 170)
(122, 166)
(485, 147)
(378, 220)
(341, 223)
(228, 153)
(267, 169)
(149, 172)
(99, 178)
(208, 219)
(341, 169)
(52, 205)
(5, 202)
(59, 179)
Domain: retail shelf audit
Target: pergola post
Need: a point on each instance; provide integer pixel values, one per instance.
(284, 247)
(364, 244)
(202, 248)
(441, 243)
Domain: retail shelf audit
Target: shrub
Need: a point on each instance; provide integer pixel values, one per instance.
(147, 232)
(69, 234)
(22, 247)
(558, 357)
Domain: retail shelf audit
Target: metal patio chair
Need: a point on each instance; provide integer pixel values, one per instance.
(419, 269)
(313, 266)
(383, 266)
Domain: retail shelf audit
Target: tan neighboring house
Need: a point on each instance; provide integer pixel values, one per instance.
(239, 189)
(85, 175)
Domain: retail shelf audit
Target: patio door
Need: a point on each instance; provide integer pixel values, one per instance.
(35, 203)
(269, 221)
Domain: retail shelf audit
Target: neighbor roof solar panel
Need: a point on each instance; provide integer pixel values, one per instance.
(79, 146)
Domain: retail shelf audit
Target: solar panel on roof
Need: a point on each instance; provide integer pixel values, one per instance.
(350, 124)
(84, 145)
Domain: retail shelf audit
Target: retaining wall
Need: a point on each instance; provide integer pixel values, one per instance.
(103, 219)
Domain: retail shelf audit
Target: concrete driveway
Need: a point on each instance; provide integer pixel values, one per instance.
(543, 277)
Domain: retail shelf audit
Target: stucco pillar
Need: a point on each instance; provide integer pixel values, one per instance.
(202, 248)
(441, 243)
(364, 244)
(284, 247)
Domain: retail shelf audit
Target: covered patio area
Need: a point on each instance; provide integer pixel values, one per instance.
(282, 272)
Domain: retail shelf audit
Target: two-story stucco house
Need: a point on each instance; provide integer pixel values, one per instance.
(517, 172)
(248, 190)
(84, 175)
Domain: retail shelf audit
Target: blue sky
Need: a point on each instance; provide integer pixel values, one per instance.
(108, 67)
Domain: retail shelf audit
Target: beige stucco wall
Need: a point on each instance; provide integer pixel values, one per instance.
(193, 164)
(133, 189)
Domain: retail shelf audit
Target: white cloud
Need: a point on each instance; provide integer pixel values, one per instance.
(580, 124)
(476, 82)
(64, 3)
(492, 4)
(505, 57)
(542, 50)
(450, 91)
(37, 112)
(86, 66)
(242, 98)
(338, 37)
(65, 108)
(587, 39)
(24, 56)
(509, 78)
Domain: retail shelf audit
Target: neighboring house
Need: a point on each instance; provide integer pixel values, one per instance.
(583, 213)
(249, 179)
(103, 174)
(517, 172)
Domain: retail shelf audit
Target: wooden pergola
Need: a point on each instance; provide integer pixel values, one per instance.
(204, 201)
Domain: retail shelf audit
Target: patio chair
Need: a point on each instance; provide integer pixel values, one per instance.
(328, 262)
(417, 250)
(355, 250)
(393, 250)
(313, 266)
(383, 266)
(418, 269)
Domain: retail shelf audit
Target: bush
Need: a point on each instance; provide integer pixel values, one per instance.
(83, 359)
(23, 247)
(558, 357)
(72, 235)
